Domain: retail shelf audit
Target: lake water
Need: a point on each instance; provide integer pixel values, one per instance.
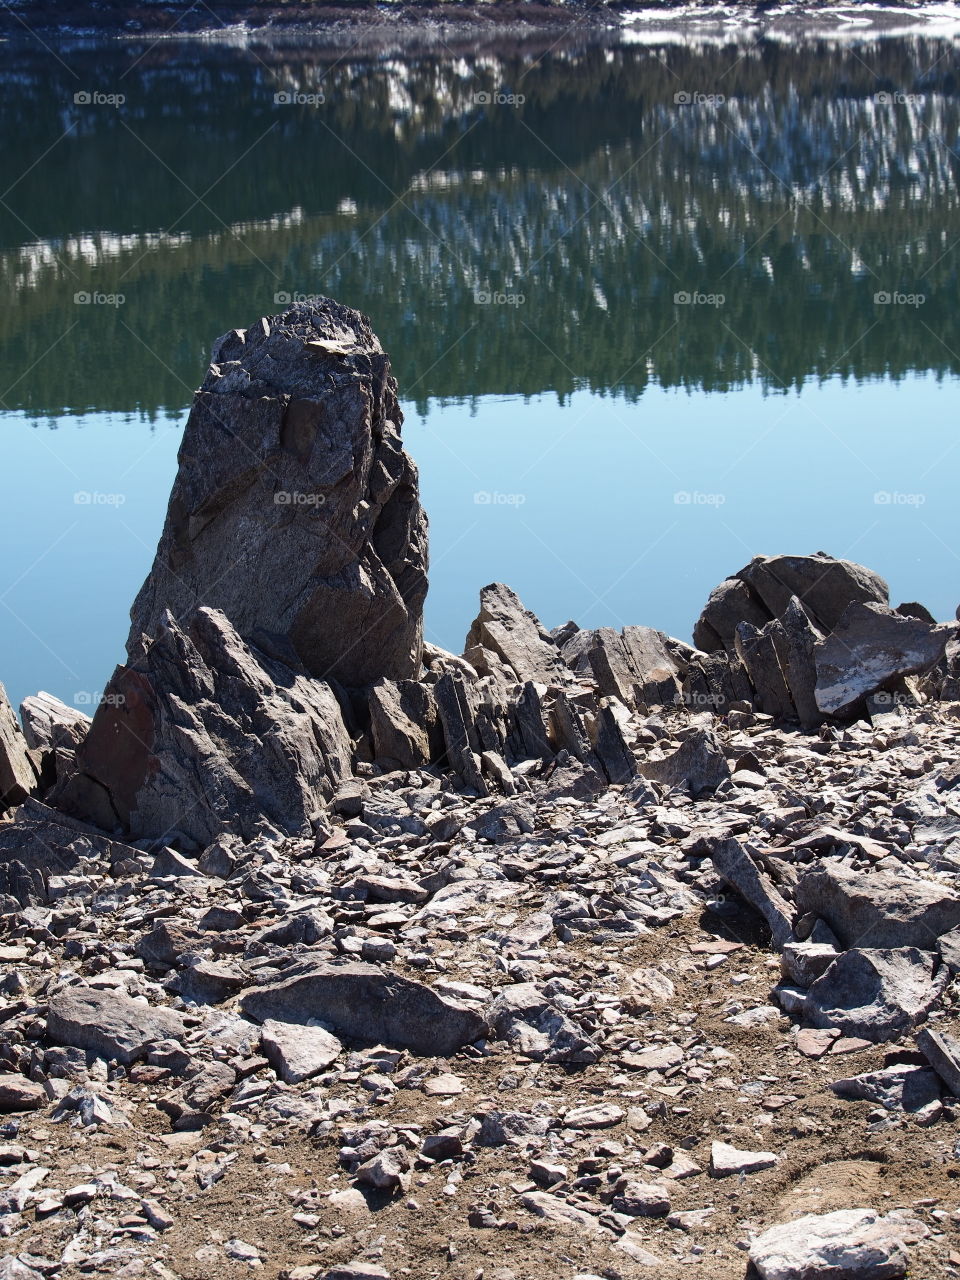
(680, 305)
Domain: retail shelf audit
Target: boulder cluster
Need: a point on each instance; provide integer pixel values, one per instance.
(337, 954)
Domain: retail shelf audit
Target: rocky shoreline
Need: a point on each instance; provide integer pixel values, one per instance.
(331, 954)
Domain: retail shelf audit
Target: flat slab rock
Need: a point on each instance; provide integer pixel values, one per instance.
(108, 1023)
(876, 994)
(366, 1003)
(726, 1160)
(298, 1052)
(879, 910)
(852, 1244)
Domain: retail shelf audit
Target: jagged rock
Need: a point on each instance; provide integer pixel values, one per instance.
(804, 962)
(897, 1088)
(740, 870)
(109, 1024)
(698, 764)
(880, 909)
(49, 723)
(526, 1018)
(204, 735)
(851, 1244)
(460, 739)
(759, 651)
(869, 647)
(295, 509)
(942, 1051)
(18, 775)
(506, 822)
(874, 994)
(610, 748)
(795, 640)
(365, 1003)
(639, 666)
(40, 843)
(403, 723)
(297, 1052)
(505, 628)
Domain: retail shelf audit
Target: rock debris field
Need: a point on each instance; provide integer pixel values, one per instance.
(330, 955)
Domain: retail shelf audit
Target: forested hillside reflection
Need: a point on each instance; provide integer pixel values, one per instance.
(588, 208)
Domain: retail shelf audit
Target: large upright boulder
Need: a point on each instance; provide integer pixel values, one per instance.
(205, 734)
(295, 509)
(762, 590)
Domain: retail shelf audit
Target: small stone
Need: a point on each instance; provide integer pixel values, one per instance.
(297, 1052)
(726, 1160)
(445, 1086)
(601, 1115)
(17, 1093)
(642, 1200)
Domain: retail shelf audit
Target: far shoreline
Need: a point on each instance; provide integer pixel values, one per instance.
(442, 24)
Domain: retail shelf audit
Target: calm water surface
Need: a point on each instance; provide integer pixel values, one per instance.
(676, 307)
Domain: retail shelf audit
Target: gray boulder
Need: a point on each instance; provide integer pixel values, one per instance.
(204, 735)
(898, 1088)
(870, 647)
(762, 590)
(295, 509)
(368, 1004)
(403, 723)
(874, 994)
(18, 775)
(109, 1023)
(795, 639)
(851, 1244)
(697, 764)
(879, 909)
(825, 586)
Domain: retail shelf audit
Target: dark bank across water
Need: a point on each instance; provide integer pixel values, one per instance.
(653, 307)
